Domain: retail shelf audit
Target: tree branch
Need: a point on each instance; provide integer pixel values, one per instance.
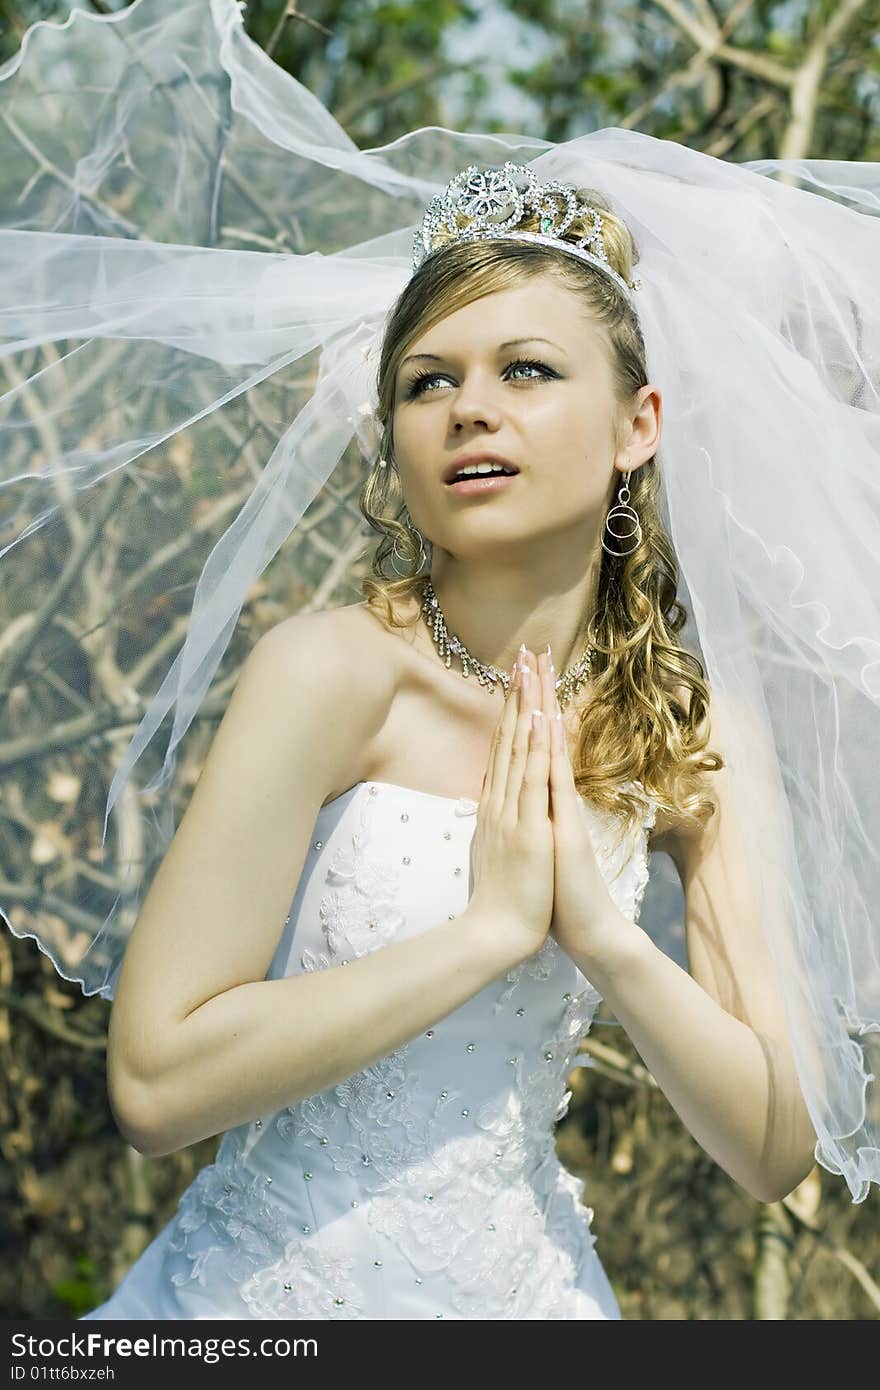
(840, 1252)
(50, 1021)
(291, 11)
(613, 1064)
(809, 76)
(710, 40)
(383, 96)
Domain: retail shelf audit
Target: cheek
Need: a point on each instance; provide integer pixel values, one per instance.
(408, 432)
(570, 431)
(573, 451)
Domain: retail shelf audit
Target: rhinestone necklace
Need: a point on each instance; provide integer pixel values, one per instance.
(568, 684)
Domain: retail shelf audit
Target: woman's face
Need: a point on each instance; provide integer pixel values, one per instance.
(522, 374)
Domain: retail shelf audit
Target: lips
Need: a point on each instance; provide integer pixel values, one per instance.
(450, 473)
(483, 483)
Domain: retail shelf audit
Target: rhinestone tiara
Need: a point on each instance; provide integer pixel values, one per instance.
(485, 204)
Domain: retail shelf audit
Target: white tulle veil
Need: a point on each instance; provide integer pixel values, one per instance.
(195, 263)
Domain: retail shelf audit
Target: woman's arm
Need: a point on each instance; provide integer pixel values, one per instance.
(259, 1047)
(734, 1086)
(715, 1038)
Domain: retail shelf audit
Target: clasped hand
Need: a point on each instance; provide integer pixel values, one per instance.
(533, 857)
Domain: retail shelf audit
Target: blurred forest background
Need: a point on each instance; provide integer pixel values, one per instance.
(738, 79)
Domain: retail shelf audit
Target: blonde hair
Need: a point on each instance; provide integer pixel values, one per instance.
(636, 726)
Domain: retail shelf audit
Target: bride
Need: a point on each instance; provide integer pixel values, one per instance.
(524, 353)
(413, 864)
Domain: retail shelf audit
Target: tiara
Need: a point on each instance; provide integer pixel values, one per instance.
(484, 204)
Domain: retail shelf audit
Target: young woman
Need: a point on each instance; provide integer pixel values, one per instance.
(389, 1148)
(414, 860)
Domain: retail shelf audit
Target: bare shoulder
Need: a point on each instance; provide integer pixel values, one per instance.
(346, 656)
(349, 641)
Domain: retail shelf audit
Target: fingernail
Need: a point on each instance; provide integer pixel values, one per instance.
(522, 649)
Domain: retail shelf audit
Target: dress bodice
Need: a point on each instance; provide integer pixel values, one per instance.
(426, 1185)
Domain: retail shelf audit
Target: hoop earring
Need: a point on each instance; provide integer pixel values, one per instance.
(408, 523)
(623, 512)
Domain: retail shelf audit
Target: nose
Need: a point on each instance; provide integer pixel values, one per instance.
(472, 404)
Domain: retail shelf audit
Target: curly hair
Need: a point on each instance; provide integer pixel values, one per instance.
(644, 719)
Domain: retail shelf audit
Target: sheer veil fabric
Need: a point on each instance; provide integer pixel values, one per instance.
(196, 263)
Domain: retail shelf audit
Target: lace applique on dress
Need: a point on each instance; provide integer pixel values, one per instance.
(540, 966)
(640, 860)
(485, 1230)
(369, 1124)
(230, 1229)
(306, 1282)
(359, 913)
(239, 1227)
(480, 1207)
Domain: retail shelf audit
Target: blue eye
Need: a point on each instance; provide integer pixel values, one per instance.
(418, 384)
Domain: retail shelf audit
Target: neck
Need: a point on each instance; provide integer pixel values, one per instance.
(493, 609)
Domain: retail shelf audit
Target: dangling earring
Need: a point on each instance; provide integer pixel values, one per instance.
(410, 526)
(623, 512)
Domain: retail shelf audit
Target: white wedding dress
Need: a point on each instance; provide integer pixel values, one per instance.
(426, 1185)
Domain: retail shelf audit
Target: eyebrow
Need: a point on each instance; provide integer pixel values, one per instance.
(511, 342)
